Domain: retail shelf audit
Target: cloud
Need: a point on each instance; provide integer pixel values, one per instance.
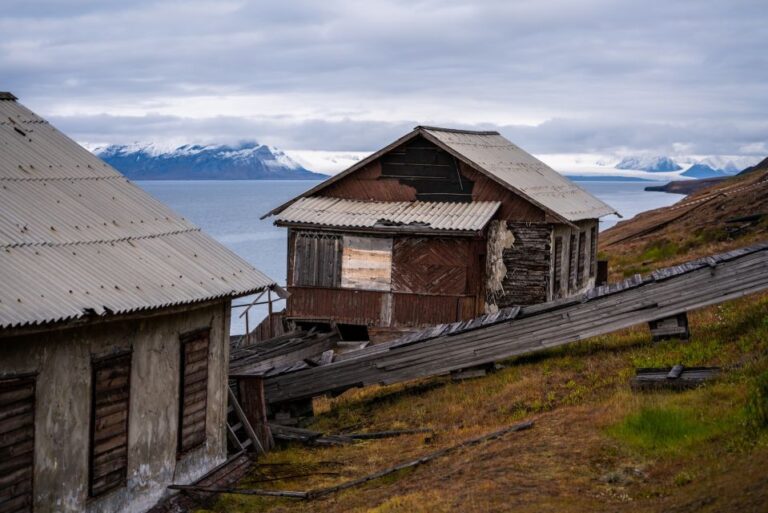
(594, 75)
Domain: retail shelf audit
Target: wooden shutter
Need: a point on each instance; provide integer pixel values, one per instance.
(17, 444)
(558, 279)
(193, 400)
(582, 258)
(111, 387)
(572, 262)
(317, 260)
(593, 252)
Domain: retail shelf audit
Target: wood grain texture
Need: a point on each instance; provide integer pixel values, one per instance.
(193, 400)
(111, 388)
(17, 444)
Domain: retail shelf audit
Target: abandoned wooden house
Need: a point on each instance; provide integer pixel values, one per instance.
(114, 331)
(439, 226)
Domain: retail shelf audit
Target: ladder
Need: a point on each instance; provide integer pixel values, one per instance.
(240, 433)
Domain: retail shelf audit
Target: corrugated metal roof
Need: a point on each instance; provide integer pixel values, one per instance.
(507, 164)
(429, 215)
(77, 238)
(521, 172)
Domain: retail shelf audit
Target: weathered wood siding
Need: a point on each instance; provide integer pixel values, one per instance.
(528, 262)
(423, 265)
(17, 444)
(193, 400)
(317, 259)
(366, 263)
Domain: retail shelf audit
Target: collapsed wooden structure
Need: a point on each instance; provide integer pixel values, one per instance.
(522, 330)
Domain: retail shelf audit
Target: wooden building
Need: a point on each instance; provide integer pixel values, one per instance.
(114, 331)
(439, 226)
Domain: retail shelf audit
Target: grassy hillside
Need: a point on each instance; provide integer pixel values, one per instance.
(595, 445)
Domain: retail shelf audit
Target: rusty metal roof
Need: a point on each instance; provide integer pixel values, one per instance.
(424, 215)
(507, 164)
(77, 238)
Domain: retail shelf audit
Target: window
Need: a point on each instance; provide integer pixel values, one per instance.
(367, 263)
(17, 443)
(582, 258)
(317, 260)
(193, 387)
(558, 279)
(110, 401)
(593, 252)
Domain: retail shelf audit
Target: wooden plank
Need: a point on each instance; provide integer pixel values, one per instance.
(244, 419)
(537, 327)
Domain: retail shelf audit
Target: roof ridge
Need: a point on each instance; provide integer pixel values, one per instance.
(457, 130)
(97, 241)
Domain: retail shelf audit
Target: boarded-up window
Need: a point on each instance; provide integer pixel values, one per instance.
(17, 444)
(193, 399)
(558, 279)
(110, 389)
(593, 252)
(367, 263)
(317, 260)
(572, 262)
(582, 258)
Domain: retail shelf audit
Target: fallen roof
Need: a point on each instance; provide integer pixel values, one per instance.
(425, 215)
(507, 164)
(77, 238)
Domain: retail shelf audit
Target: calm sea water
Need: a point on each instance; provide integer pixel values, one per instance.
(230, 210)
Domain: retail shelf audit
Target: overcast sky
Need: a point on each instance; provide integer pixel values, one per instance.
(598, 76)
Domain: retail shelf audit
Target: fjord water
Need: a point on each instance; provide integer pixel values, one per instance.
(229, 211)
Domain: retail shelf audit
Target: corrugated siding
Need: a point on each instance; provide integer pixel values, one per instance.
(522, 172)
(324, 211)
(77, 238)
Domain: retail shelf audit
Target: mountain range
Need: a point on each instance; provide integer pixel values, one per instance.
(710, 167)
(243, 161)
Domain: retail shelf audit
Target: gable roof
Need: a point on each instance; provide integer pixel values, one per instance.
(495, 156)
(384, 215)
(78, 239)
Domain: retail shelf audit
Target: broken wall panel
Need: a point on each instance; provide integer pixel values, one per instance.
(528, 263)
(366, 263)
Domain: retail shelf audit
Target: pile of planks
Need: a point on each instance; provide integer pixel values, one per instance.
(518, 331)
(292, 351)
(674, 378)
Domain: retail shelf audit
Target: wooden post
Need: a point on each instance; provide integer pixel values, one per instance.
(602, 273)
(269, 313)
(254, 406)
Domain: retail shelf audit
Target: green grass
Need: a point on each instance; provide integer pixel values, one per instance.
(657, 429)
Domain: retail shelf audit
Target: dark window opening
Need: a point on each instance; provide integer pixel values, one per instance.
(193, 387)
(353, 332)
(17, 444)
(110, 404)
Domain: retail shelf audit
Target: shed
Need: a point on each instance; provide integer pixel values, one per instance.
(439, 226)
(114, 331)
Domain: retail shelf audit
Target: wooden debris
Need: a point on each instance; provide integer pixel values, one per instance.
(375, 435)
(675, 378)
(670, 327)
(306, 436)
(321, 492)
(519, 331)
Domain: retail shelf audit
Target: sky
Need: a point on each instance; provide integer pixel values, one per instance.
(673, 77)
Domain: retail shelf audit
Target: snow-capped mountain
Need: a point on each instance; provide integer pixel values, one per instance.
(244, 161)
(702, 170)
(652, 164)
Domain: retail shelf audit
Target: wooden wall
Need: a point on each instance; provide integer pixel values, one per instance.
(578, 257)
(433, 280)
(405, 175)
